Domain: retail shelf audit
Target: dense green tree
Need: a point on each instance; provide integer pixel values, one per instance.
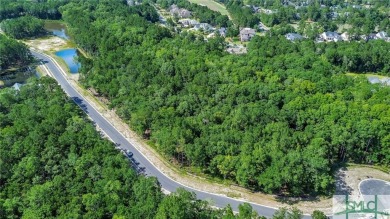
(278, 119)
(54, 164)
(13, 54)
(318, 215)
(23, 27)
(43, 9)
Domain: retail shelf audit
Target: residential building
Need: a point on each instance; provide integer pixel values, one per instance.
(381, 35)
(222, 32)
(180, 12)
(246, 34)
(293, 36)
(330, 36)
(204, 26)
(188, 22)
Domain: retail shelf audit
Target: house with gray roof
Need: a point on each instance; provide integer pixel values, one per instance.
(246, 34)
(204, 26)
(174, 10)
(188, 22)
(331, 36)
(293, 36)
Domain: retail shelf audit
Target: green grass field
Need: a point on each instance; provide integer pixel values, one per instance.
(215, 6)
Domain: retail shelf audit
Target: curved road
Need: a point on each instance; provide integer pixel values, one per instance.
(149, 169)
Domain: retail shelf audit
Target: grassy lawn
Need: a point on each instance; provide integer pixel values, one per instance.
(215, 6)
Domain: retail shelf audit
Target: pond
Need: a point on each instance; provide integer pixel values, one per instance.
(57, 29)
(70, 57)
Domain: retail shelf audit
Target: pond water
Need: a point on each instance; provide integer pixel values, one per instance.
(57, 29)
(70, 58)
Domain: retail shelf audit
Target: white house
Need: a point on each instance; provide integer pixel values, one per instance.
(381, 35)
(204, 26)
(331, 36)
(293, 36)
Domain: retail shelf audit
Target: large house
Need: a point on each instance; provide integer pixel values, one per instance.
(246, 34)
(331, 36)
(376, 36)
(204, 26)
(221, 32)
(179, 12)
(293, 36)
(381, 35)
(188, 22)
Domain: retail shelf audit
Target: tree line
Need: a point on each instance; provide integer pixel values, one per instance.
(358, 18)
(242, 16)
(279, 119)
(13, 54)
(43, 9)
(23, 27)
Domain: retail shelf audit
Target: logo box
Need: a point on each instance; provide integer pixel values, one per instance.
(361, 207)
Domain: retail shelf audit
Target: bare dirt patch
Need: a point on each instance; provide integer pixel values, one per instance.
(48, 44)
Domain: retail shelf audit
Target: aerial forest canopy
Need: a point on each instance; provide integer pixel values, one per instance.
(13, 54)
(43, 9)
(278, 119)
(54, 164)
(23, 27)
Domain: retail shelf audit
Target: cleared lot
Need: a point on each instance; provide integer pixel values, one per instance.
(215, 6)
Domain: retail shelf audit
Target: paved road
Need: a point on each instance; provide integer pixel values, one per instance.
(374, 187)
(370, 187)
(141, 160)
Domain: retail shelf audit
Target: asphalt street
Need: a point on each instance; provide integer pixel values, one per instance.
(142, 162)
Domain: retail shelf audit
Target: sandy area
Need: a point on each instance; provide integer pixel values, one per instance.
(48, 44)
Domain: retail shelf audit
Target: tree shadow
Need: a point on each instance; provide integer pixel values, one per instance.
(80, 103)
(341, 185)
(294, 200)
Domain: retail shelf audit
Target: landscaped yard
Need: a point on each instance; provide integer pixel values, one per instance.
(215, 6)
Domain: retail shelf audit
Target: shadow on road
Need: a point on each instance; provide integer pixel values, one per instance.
(80, 103)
